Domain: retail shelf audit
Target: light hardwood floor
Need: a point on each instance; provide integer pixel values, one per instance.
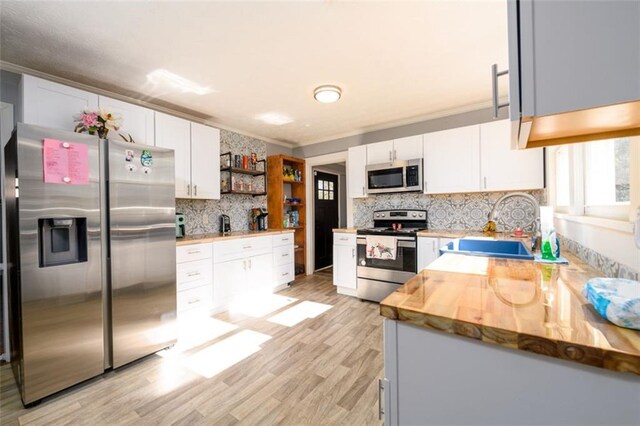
(322, 370)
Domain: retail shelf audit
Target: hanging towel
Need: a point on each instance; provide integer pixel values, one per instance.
(382, 247)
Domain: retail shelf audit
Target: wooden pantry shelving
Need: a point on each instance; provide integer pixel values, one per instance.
(280, 184)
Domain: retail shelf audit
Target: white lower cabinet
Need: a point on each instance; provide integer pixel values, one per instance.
(194, 279)
(250, 266)
(429, 250)
(345, 254)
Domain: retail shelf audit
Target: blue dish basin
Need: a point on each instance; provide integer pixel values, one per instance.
(492, 248)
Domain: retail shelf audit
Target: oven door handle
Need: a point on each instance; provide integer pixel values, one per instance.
(403, 244)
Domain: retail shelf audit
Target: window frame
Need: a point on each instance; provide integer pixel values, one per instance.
(577, 181)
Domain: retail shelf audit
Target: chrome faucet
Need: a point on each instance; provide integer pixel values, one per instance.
(535, 235)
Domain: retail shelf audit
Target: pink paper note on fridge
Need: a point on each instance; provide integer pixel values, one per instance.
(65, 162)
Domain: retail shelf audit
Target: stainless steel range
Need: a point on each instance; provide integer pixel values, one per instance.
(379, 277)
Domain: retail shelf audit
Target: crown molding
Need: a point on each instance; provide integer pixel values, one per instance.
(19, 69)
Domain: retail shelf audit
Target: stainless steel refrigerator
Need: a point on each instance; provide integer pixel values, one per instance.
(91, 256)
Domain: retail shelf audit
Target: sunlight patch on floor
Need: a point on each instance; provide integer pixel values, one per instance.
(218, 357)
(196, 330)
(299, 313)
(260, 305)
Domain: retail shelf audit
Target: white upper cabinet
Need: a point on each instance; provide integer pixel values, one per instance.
(53, 105)
(137, 121)
(408, 148)
(175, 133)
(205, 162)
(357, 179)
(571, 57)
(504, 169)
(380, 152)
(452, 160)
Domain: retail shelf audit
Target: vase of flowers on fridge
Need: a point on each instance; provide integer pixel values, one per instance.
(97, 122)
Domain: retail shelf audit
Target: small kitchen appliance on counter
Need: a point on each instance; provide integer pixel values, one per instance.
(225, 224)
(180, 225)
(258, 220)
(378, 277)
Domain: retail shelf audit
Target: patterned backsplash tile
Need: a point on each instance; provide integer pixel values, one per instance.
(202, 216)
(608, 267)
(454, 211)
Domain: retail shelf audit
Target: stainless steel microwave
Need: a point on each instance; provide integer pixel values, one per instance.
(397, 176)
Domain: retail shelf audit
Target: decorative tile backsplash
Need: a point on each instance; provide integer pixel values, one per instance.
(202, 216)
(608, 267)
(454, 211)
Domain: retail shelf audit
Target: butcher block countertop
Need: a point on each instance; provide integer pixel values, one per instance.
(209, 238)
(519, 304)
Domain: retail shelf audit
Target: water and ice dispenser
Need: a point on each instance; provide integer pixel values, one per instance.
(62, 241)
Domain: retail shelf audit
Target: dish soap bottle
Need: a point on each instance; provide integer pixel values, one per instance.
(550, 247)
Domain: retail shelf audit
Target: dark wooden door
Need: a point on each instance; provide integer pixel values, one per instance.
(325, 195)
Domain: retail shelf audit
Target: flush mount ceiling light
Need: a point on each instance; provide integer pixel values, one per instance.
(167, 78)
(274, 118)
(327, 94)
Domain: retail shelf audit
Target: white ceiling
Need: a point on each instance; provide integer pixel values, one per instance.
(396, 62)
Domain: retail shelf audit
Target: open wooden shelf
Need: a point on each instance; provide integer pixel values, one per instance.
(255, 194)
(277, 208)
(243, 171)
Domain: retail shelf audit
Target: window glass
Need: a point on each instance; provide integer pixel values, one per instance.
(562, 176)
(606, 173)
(320, 184)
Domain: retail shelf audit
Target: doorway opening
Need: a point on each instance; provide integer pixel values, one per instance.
(330, 210)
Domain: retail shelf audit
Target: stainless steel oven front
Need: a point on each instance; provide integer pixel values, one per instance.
(396, 176)
(377, 278)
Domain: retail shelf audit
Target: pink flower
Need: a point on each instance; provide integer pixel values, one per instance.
(89, 119)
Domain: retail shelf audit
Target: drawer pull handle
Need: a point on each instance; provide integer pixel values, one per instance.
(193, 251)
(344, 239)
(192, 301)
(284, 274)
(285, 255)
(193, 274)
(246, 247)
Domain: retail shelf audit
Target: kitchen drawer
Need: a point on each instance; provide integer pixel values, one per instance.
(200, 298)
(224, 251)
(282, 239)
(341, 239)
(283, 274)
(192, 252)
(194, 274)
(282, 255)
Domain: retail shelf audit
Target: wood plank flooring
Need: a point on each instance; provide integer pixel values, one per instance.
(322, 370)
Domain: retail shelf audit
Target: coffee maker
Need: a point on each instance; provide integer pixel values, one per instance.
(180, 225)
(258, 220)
(225, 224)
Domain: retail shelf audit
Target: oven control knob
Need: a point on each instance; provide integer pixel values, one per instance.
(377, 214)
(421, 214)
(363, 262)
(414, 215)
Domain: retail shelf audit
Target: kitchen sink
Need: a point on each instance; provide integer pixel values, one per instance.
(485, 247)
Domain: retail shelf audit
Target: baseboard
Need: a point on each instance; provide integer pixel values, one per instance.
(347, 291)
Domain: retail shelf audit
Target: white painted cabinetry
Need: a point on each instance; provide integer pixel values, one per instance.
(197, 155)
(205, 162)
(479, 158)
(380, 152)
(429, 250)
(504, 169)
(53, 105)
(175, 133)
(283, 260)
(345, 263)
(452, 160)
(357, 177)
(194, 279)
(408, 148)
(137, 121)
